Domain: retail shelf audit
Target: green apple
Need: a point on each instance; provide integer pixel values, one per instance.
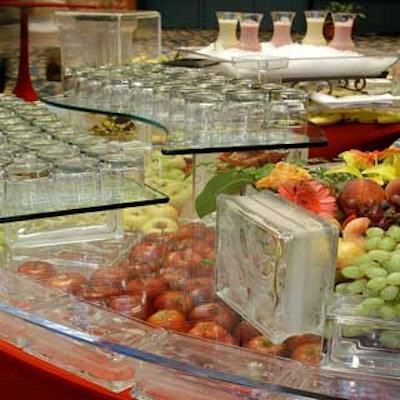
(160, 225)
(174, 174)
(162, 210)
(180, 199)
(174, 162)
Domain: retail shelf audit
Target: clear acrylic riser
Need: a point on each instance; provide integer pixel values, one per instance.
(118, 352)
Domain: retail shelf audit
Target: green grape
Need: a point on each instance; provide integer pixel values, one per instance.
(352, 272)
(356, 287)
(341, 288)
(394, 232)
(379, 255)
(377, 283)
(372, 303)
(354, 330)
(390, 339)
(365, 267)
(372, 243)
(371, 293)
(376, 272)
(374, 232)
(393, 264)
(393, 279)
(388, 312)
(387, 243)
(361, 310)
(390, 293)
(362, 259)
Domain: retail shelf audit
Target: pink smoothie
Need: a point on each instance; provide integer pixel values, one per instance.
(249, 36)
(281, 35)
(342, 38)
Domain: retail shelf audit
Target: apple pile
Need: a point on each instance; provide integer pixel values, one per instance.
(167, 280)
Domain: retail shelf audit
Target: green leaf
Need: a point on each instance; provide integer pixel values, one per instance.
(224, 182)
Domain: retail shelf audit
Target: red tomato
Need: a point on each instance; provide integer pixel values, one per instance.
(212, 331)
(307, 353)
(136, 306)
(173, 300)
(99, 292)
(261, 344)
(169, 319)
(38, 270)
(217, 312)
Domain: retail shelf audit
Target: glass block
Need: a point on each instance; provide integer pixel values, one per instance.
(107, 38)
(275, 263)
(360, 344)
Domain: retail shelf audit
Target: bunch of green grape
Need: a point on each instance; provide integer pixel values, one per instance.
(376, 275)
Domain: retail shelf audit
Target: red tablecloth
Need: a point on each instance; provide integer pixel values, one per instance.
(23, 377)
(365, 137)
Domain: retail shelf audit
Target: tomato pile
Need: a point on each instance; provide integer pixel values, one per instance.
(168, 281)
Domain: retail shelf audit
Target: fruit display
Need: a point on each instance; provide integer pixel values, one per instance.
(167, 281)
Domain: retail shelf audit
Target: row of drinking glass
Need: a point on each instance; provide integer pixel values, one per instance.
(40, 170)
(209, 110)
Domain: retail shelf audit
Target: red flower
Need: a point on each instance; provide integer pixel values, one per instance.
(311, 195)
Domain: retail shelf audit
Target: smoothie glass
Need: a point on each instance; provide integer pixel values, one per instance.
(282, 25)
(342, 37)
(227, 29)
(315, 20)
(249, 31)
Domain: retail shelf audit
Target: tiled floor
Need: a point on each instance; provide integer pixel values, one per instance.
(171, 39)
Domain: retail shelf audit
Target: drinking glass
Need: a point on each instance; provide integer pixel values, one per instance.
(28, 184)
(227, 29)
(342, 36)
(249, 31)
(203, 116)
(315, 20)
(76, 181)
(246, 112)
(282, 25)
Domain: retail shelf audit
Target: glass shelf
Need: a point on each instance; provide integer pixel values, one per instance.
(67, 103)
(135, 196)
(313, 137)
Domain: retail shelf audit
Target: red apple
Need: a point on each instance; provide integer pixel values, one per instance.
(358, 194)
(294, 341)
(169, 319)
(39, 270)
(115, 277)
(195, 230)
(201, 289)
(215, 311)
(212, 331)
(70, 282)
(136, 306)
(151, 286)
(307, 353)
(185, 258)
(149, 252)
(173, 300)
(263, 345)
(392, 191)
(244, 332)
